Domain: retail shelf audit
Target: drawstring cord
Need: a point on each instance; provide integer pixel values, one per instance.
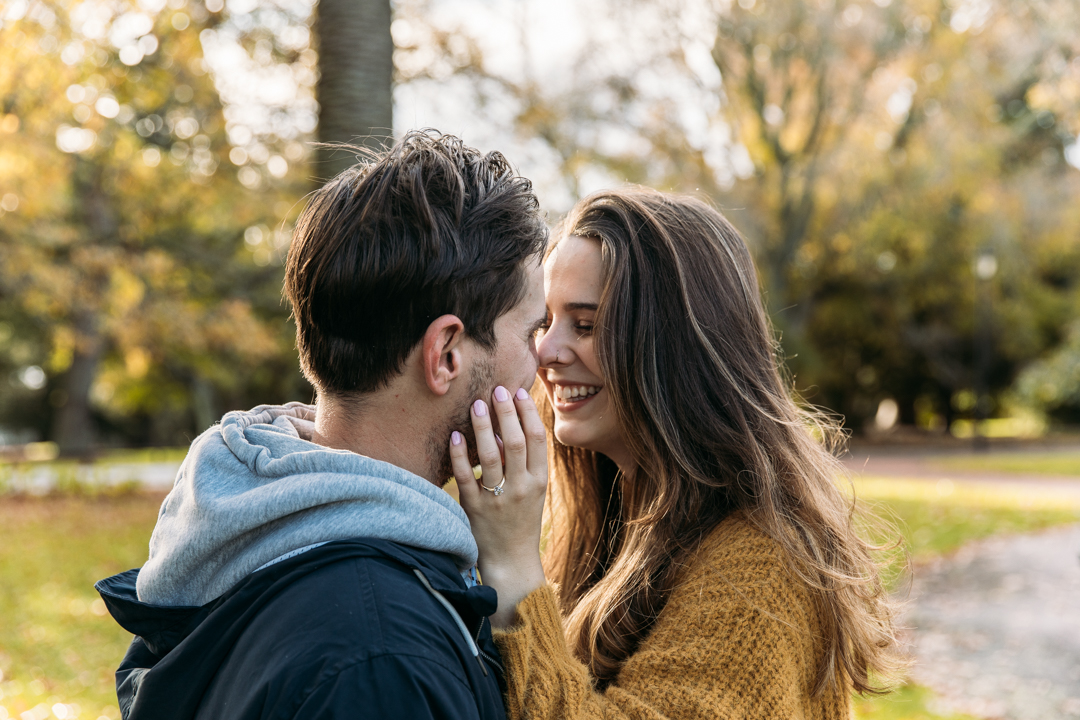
(454, 614)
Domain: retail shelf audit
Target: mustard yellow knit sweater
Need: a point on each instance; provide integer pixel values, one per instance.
(738, 638)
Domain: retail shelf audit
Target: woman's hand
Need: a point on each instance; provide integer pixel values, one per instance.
(506, 523)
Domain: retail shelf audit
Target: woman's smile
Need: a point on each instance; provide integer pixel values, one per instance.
(571, 397)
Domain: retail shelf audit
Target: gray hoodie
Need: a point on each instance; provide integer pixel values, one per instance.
(255, 487)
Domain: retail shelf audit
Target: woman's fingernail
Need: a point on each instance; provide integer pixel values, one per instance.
(480, 408)
(455, 438)
(501, 395)
(522, 395)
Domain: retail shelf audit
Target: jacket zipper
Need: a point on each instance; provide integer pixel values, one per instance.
(493, 661)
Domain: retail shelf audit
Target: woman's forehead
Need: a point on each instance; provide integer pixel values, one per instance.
(573, 250)
(573, 268)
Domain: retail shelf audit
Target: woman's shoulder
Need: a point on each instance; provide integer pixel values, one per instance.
(744, 619)
(737, 542)
(739, 563)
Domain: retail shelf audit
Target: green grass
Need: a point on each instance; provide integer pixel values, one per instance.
(59, 646)
(115, 456)
(909, 702)
(937, 517)
(57, 642)
(1055, 462)
(144, 455)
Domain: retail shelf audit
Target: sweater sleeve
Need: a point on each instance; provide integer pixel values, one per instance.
(720, 649)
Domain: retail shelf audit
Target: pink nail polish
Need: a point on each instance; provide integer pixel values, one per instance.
(522, 395)
(455, 438)
(501, 395)
(480, 408)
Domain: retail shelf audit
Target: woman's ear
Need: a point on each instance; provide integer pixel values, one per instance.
(441, 353)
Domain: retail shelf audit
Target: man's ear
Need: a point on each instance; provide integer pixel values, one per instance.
(442, 353)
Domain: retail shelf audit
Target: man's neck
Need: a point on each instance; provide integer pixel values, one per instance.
(379, 426)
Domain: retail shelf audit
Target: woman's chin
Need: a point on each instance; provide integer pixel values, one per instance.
(568, 434)
(572, 434)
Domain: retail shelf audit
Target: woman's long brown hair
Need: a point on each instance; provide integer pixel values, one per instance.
(690, 362)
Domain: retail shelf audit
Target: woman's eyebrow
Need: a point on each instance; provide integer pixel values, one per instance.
(581, 306)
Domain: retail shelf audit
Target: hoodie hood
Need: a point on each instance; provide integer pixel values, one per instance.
(255, 487)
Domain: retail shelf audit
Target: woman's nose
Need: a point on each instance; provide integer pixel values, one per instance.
(551, 351)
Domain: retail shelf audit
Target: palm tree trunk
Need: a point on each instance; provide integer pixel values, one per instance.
(356, 65)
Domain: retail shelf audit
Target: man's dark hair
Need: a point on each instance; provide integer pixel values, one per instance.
(431, 227)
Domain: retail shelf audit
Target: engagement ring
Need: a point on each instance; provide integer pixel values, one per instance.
(497, 490)
(478, 472)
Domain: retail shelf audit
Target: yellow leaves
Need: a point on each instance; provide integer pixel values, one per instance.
(184, 327)
(126, 291)
(810, 252)
(1058, 95)
(234, 327)
(39, 301)
(103, 390)
(137, 362)
(138, 257)
(984, 202)
(1042, 95)
(63, 349)
(917, 243)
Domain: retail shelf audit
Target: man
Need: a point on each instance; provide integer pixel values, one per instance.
(307, 563)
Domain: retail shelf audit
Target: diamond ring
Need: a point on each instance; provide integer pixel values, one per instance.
(478, 473)
(497, 490)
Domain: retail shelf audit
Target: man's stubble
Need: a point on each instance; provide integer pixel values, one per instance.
(481, 386)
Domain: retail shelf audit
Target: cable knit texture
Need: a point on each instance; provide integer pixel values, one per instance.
(739, 638)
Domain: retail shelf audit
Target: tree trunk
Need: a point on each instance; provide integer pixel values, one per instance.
(202, 404)
(73, 424)
(356, 65)
(905, 403)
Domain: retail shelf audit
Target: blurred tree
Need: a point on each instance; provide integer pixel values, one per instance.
(886, 164)
(141, 268)
(796, 78)
(869, 151)
(356, 65)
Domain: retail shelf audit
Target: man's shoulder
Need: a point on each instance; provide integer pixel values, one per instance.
(357, 606)
(355, 623)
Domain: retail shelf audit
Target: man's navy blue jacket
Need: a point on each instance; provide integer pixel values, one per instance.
(351, 629)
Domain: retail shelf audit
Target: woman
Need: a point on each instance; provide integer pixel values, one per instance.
(706, 563)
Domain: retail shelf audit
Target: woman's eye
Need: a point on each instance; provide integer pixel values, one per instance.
(583, 328)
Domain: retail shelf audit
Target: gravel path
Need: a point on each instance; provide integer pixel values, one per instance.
(996, 627)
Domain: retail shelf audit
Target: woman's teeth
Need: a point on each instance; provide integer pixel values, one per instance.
(575, 392)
